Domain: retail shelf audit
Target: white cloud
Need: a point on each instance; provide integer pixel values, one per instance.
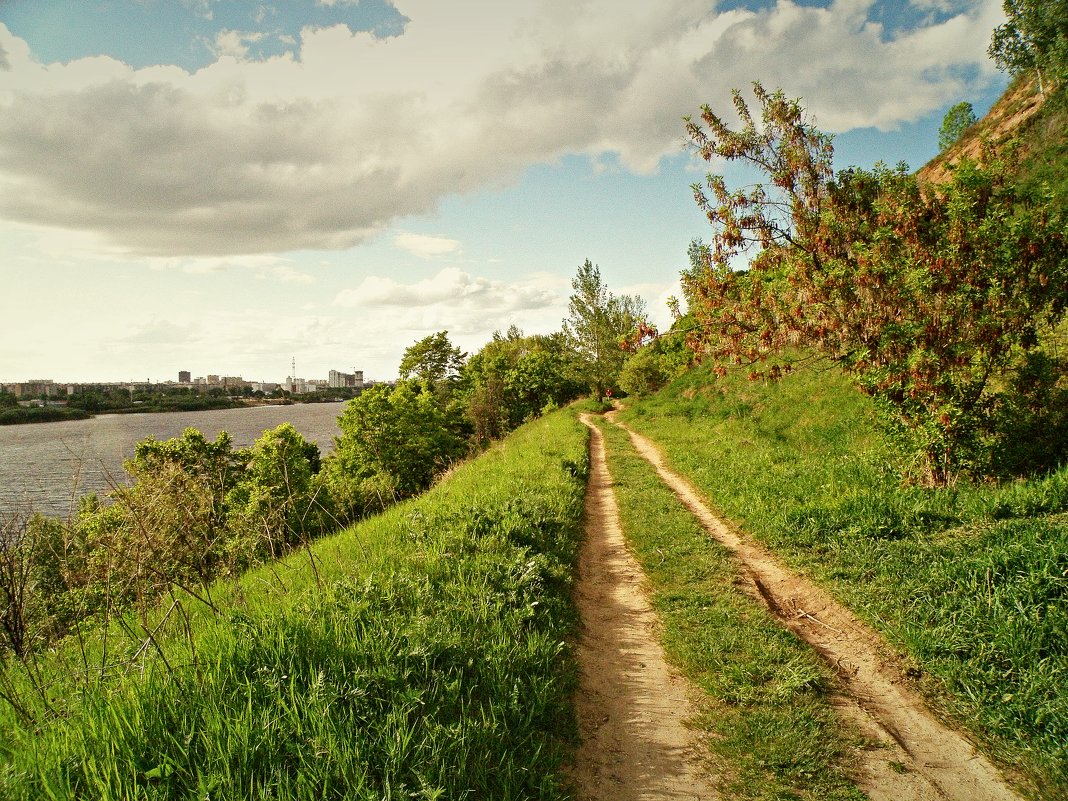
(944, 6)
(158, 332)
(262, 12)
(287, 275)
(325, 149)
(202, 8)
(235, 43)
(426, 247)
(452, 289)
(657, 296)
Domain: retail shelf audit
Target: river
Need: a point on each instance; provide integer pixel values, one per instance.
(47, 466)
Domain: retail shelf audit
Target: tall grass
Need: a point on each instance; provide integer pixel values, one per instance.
(970, 582)
(421, 654)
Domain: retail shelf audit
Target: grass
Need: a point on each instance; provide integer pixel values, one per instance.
(969, 583)
(422, 654)
(1045, 164)
(767, 719)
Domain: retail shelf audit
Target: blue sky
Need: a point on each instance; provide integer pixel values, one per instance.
(221, 186)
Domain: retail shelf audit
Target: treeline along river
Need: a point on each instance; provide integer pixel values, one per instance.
(47, 466)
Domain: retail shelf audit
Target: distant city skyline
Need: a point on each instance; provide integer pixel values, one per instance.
(333, 379)
(175, 376)
(236, 182)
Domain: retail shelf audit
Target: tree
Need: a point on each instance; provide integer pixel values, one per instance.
(433, 359)
(958, 119)
(16, 583)
(278, 501)
(597, 325)
(921, 294)
(657, 362)
(514, 378)
(394, 441)
(1033, 37)
(170, 526)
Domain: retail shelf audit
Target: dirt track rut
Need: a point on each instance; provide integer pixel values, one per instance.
(632, 706)
(917, 757)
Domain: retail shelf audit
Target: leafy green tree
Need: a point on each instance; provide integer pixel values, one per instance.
(279, 501)
(432, 359)
(958, 119)
(394, 441)
(921, 294)
(514, 377)
(597, 326)
(656, 363)
(1034, 36)
(488, 409)
(170, 526)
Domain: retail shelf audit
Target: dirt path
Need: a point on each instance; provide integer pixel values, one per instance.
(631, 706)
(918, 758)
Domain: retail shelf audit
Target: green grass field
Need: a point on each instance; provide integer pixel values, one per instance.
(422, 654)
(969, 583)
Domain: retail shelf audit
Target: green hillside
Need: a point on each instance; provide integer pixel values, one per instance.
(420, 654)
(1023, 118)
(966, 578)
(969, 584)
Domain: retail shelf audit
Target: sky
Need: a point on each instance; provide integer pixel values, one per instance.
(224, 186)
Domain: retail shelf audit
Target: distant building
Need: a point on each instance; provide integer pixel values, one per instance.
(235, 382)
(35, 388)
(184, 377)
(338, 380)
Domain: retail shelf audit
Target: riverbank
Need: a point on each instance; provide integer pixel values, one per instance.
(54, 414)
(48, 467)
(18, 415)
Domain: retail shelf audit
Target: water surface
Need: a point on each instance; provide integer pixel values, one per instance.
(47, 466)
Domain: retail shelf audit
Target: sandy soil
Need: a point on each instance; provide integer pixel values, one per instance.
(914, 756)
(1009, 113)
(632, 706)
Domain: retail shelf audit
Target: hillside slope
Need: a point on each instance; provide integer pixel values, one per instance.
(1039, 126)
(1008, 117)
(348, 670)
(967, 583)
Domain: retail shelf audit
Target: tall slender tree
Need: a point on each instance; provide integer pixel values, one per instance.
(597, 326)
(1034, 36)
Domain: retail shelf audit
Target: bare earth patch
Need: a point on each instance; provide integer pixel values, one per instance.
(914, 756)
(1009, 114)
(632, 706)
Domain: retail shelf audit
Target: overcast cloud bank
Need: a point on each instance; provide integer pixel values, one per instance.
(325, 149)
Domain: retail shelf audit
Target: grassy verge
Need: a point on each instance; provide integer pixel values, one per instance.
(421, 654)
(970, 583)
(769, 724)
